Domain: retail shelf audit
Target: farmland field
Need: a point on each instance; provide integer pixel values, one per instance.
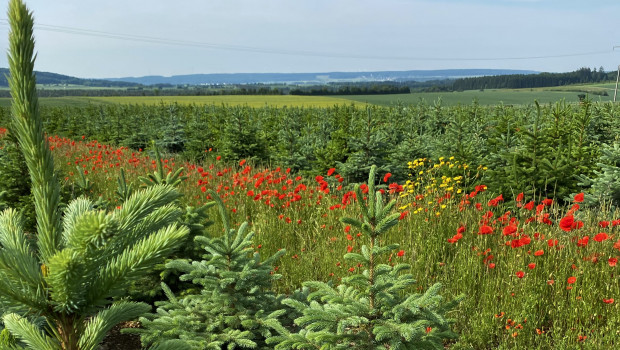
(486, 97)
(233, 100)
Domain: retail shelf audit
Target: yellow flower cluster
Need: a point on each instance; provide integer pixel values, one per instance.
(433, 185)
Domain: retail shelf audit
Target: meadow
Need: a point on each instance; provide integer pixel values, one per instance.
(536, 261)
(494, 96)
(536, 274)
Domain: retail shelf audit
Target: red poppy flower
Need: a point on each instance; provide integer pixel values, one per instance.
(547, 201)
(460, 230)
(583, 242)
(529, 205)
(601, 237)
(571, 280)
(531, 266)
(349, 237)
(491, 265)
(218, 157)
(242, 162)
(612, 262)
(566, 223)
(455, 238)
(519, 197)
(387, 177)
(400, 253)
(525, 240)
(608, 301)
(552, 242)
(578, 197)
(510, 229)
(485, 230)
(520, 274)
(603, 224)
(349, 249)
(539, 252)
(403, 215)
(330, 171)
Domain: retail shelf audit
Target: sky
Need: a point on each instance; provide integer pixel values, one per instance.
(121, 38)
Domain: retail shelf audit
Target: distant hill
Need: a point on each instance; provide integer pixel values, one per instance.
(314, 78)
(59, 79)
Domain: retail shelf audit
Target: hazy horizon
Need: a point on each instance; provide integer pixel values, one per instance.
(93, 39)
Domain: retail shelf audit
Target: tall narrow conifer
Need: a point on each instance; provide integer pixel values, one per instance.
(83, 258)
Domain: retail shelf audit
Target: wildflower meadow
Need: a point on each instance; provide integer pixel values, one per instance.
(364, 227)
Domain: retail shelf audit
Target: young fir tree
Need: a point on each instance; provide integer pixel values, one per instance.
(605, 185)
(240, 138)
(373, 309)
(234, 306)
(174, 135)
(368, 144)
(294, 148)
(69, 273)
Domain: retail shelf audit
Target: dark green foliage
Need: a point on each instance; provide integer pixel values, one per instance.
(542, 157)
(200, 133)
(374, 309)
(521, 81)
(368, 147)
(240, 138)
(174, 138)
(605, 185)
(15, 187)
(231, 305)
(294, 146)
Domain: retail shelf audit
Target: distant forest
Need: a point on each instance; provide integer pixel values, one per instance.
(53, 78)
(375, 88)
(522, 81)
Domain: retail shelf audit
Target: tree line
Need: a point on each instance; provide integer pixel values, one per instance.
(521, 81)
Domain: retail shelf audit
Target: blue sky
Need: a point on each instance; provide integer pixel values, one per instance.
(114, 38)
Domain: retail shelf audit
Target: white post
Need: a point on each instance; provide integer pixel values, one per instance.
(616, 90)
(617, 77)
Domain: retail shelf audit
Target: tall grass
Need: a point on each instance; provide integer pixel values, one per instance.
(509, 303)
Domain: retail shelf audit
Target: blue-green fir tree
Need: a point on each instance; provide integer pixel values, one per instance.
(375, 309)
(233, 305)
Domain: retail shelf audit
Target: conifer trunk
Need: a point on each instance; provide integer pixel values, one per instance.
(68, 333)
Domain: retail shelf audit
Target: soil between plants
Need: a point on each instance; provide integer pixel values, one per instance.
(115, 340)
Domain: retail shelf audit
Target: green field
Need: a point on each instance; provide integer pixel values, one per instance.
(486, 97)
(249, 100)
